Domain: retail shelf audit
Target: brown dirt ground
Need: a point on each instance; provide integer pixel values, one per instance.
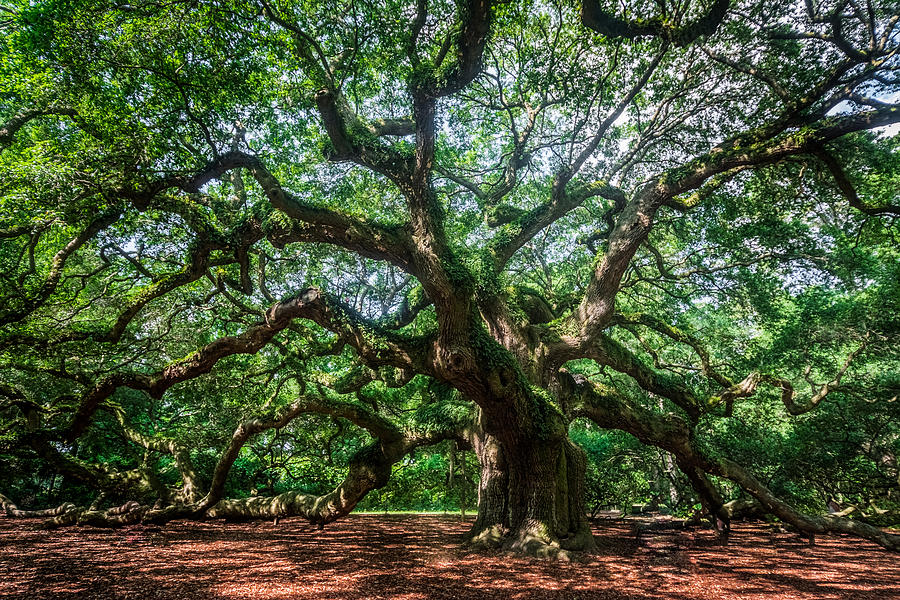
(417, 557)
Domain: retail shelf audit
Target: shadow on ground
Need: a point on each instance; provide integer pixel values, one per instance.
(415, 557)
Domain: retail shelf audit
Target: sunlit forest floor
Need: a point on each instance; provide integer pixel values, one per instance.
(414, 557)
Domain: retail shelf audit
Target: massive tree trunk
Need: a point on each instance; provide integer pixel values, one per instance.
(531, 496)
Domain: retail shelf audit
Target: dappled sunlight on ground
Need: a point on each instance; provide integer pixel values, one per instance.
(417, 557)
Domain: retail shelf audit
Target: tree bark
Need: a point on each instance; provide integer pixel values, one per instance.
(531, 496)
(369, 469)
(12, 510)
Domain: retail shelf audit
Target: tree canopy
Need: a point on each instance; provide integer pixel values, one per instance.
(328, 233)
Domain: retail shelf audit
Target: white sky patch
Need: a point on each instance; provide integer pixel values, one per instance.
(886, 130)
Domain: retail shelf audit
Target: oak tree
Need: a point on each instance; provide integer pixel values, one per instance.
(474, 221)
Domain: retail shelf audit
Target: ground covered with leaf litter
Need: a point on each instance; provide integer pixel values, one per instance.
(414, 557)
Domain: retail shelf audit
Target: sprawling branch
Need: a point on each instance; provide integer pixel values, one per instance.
(636, 219)
(748, 386)
(848, 190)
(352, 140)
(615, 355)
(369, 469)
(21, 118)
(810, 524)
(379, 427)
(11, 509)
(757, 73)
(611, 409)
(565, 197)
(594, 17)
(514, 235)
(190, 488)
(447, 76)
(677, 335)
(374, 347)
(136, 482)
(755, 148)
(29, 304)
(315, 223)
(19, 230)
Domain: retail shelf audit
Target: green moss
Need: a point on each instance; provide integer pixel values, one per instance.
(416, 296)
(458, 274)
(501, 214)
(442, 416)
(563, 326)
(490, 354)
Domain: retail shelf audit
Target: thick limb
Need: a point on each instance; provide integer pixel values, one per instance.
(310, 304)
(190, 488)
(370, 468)
(610, 409)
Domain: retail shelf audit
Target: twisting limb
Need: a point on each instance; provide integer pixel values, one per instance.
(565, 197)
(21, 118)
(369, 469)
(594, 17)
(129, 513)
(696, 198)
(196, 264)
(764, 145)
(135, 482)
(412, 304)
(381, 428)
(18, 230)
(751, 70)
(678, 335)
(810, 524)
(636, 219)
(57, 265)
(374, 346)
(312, 223)
(190, 488)
(756, 148)
(611, 409)
(524, 228)
(748, 386)
(848, 190)
(365, 237)
(467, 44)
(609, 352)
(352, 140)
(710, 497)
(12, 510)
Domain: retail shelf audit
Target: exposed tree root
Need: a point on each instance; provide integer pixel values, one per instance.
(534, 542)
(10, 508)
(488, 539)
(581, 541)
(530, 545)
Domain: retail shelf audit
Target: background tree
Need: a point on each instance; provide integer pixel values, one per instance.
(436, 221)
